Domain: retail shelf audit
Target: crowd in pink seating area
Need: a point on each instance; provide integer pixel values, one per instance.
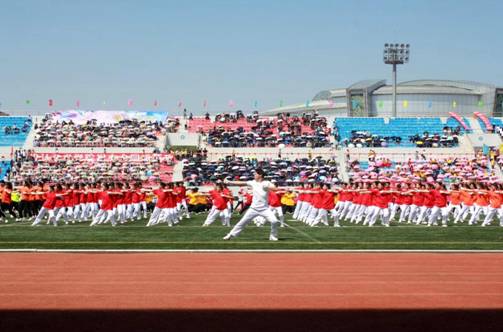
(92, 167)
(446, 170)
(238, 130)
(126, 133)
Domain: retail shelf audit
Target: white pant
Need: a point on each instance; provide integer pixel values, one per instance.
(61, 214)
(104, 216)
(144, 207)
(296, 212)
(278, 211)
(491, 212)
(404, 212)
(477, 210)
(41, 215)
(376, 212)
(437, 211)
(168, 215)
(322, 217)
(136, 211)
(214, 214)
(423, 212)
(249, 215)
(313, 212)
(304, 211)
(154, 217)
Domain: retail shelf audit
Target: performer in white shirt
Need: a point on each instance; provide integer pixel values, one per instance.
(259, 206)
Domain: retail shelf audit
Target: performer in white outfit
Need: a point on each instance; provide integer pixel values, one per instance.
(259, 206)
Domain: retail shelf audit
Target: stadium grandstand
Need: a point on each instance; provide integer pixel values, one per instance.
(418, 98)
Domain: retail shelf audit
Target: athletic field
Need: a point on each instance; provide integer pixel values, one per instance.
(190, 235)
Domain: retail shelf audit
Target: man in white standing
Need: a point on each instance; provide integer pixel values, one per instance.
(259, 206)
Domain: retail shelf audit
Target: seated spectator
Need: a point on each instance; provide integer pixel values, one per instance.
(126, 133)
(92, 167)
(198, 170)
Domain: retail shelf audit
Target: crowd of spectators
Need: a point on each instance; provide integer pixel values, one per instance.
(15, 130)
(91, 167)
(126, 133)
(446, 170)
(237, 130)
(364, 139)
(172, 125)
(197, 170)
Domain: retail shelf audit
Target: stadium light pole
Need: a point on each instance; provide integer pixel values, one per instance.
(395, 54)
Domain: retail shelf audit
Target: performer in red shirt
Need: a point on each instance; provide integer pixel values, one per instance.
(327, 203)
(274, 200)
(160, 193)
(440, 195)
(219, 208)
(48, 206)
(106, 214)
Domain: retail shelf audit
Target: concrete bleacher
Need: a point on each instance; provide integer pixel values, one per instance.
(399, 127)
(13, 139)
(201, 125)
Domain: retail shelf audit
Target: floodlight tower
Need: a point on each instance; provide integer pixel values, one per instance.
(395, 54)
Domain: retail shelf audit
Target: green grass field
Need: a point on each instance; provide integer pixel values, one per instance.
(190, 235)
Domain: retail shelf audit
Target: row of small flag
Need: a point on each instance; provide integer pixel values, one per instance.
(180, 104)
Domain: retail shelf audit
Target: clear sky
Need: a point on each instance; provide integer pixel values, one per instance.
(246, 51)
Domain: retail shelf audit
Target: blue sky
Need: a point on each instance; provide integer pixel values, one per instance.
(172, 51)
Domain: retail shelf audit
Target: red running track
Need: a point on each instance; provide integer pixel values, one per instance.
(44, 281)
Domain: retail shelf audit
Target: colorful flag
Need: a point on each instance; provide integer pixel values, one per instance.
(405, 103)
(454, 104)
(380, 104)
(77, 103)
(130, 102)
(330, 103)
(28, 102)
(156, 103)
(481, 103)
(50, 102)
(232, 103)
(180, 104)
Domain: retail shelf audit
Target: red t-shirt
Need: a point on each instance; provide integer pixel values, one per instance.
(50, 200)
(82, 197)
(440, 199)
(218, 201)
(136, 197)
(406, 199)
(248, 199)
(106, 200)
(327, 201)
(429, 199)
(317, 198)
(274, 199)
(128, 197)
(117, 197)
(170, 201)
(68, 198)
(380, 200)
(418, 199)
(161, 198)
(343, 196)
(366, 199)
(59, 200)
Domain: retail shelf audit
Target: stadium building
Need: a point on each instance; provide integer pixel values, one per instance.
(419, 98)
